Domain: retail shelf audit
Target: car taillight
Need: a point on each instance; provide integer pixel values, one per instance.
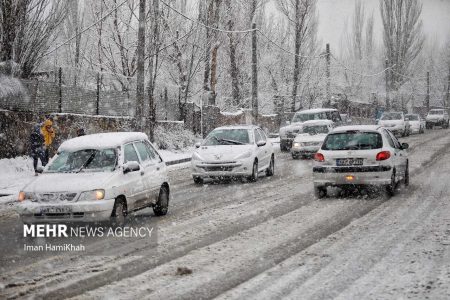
(383, 155)
(319, 157)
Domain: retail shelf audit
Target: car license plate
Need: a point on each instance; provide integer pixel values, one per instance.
(349, 162)
(56, 209)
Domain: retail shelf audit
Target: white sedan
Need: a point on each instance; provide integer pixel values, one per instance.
(360, 155)
(306, 144)
(98, 177)
(416, 122)
(233, 152)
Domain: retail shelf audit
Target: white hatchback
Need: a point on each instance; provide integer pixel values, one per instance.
(360, 155)
(98, 177)
(233, 151)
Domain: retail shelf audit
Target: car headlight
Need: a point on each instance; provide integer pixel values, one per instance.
(196, 156)
(26, 196)
(296, 145)
(92, 195)
(245, 155)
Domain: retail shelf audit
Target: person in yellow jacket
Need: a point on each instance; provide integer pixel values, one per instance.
(48, 132)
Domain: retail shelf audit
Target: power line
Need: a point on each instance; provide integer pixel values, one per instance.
(285, 50)
(204, 25)
(85, 29)
(361, 74)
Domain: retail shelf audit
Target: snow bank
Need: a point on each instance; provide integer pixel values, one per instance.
(174, 139)
(15, 173)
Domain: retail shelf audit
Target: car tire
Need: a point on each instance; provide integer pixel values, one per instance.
(198, 180)
(284, 147)
(254, 176)
(406, 180)
(391, 188)
(271, 169)
(162, 205)
(320, 192)
(119, 213)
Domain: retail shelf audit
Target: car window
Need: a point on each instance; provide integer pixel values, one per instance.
(263, 134)
(152, 152)
(352, 140)
(87, 160)
(389, 139)
(394, 139)
(129, 153)
(257, 136)
(227, 136)
(143, 152)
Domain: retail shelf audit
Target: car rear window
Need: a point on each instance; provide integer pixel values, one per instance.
(353, 140)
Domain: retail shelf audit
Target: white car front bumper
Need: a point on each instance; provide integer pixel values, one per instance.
(86, 211)
(213, 169)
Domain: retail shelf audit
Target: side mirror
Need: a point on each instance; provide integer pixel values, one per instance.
(39, 169)
(131, 166)
(405, 146)
(288, 122)
(260, 143)
(197, 145)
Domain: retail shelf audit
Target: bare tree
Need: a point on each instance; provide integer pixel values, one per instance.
(302, 15)
(27, 30)
(403, 37)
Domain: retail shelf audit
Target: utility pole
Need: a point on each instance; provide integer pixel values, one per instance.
(388, 102)
(427, 99)
(327, 50)
(254, 74)
(448, 89)
(140, 85)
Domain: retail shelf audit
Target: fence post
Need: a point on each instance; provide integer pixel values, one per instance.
(98, 95)
(60, 89)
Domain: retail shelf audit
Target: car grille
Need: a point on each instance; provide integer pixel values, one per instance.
(305, 144)
(74, 215)
(217, 168)
(55, 197)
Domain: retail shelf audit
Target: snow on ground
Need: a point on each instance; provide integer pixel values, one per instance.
(15, 173)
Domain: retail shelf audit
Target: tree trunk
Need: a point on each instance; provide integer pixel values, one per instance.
(140, 84)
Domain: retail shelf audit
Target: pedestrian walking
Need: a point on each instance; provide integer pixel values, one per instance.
(37, 147)
(48, 132)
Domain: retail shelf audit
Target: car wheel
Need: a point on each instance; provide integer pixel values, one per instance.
(254, 176)
(406, 181)
(271, 169)
(390, 188)
(294, 156)
(284, 147)
(198, 180)
(119, 213)
(162, 205)
(320, 192)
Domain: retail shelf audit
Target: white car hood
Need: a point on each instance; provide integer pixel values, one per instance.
(222, 153)
(68, 182)
(306, 137)
(390, 122)
(292, 127)
(435, 117)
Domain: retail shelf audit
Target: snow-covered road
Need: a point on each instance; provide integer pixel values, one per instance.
(263, 240)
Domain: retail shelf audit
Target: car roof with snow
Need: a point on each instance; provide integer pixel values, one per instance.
(365, 128)
(317, 123)
(244, 126)
(101, 140)
(315, 110)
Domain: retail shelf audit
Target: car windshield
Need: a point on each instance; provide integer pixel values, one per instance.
(413, 117)
(227, 137)
(303, 117)
(353, 140)
(436, 112)
(391, 116)
(86, 160)
(315, 129)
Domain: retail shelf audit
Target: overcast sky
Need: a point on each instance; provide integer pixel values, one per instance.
(333, 15)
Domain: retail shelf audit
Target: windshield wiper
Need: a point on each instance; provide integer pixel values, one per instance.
(88, 161)
(231, 141)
